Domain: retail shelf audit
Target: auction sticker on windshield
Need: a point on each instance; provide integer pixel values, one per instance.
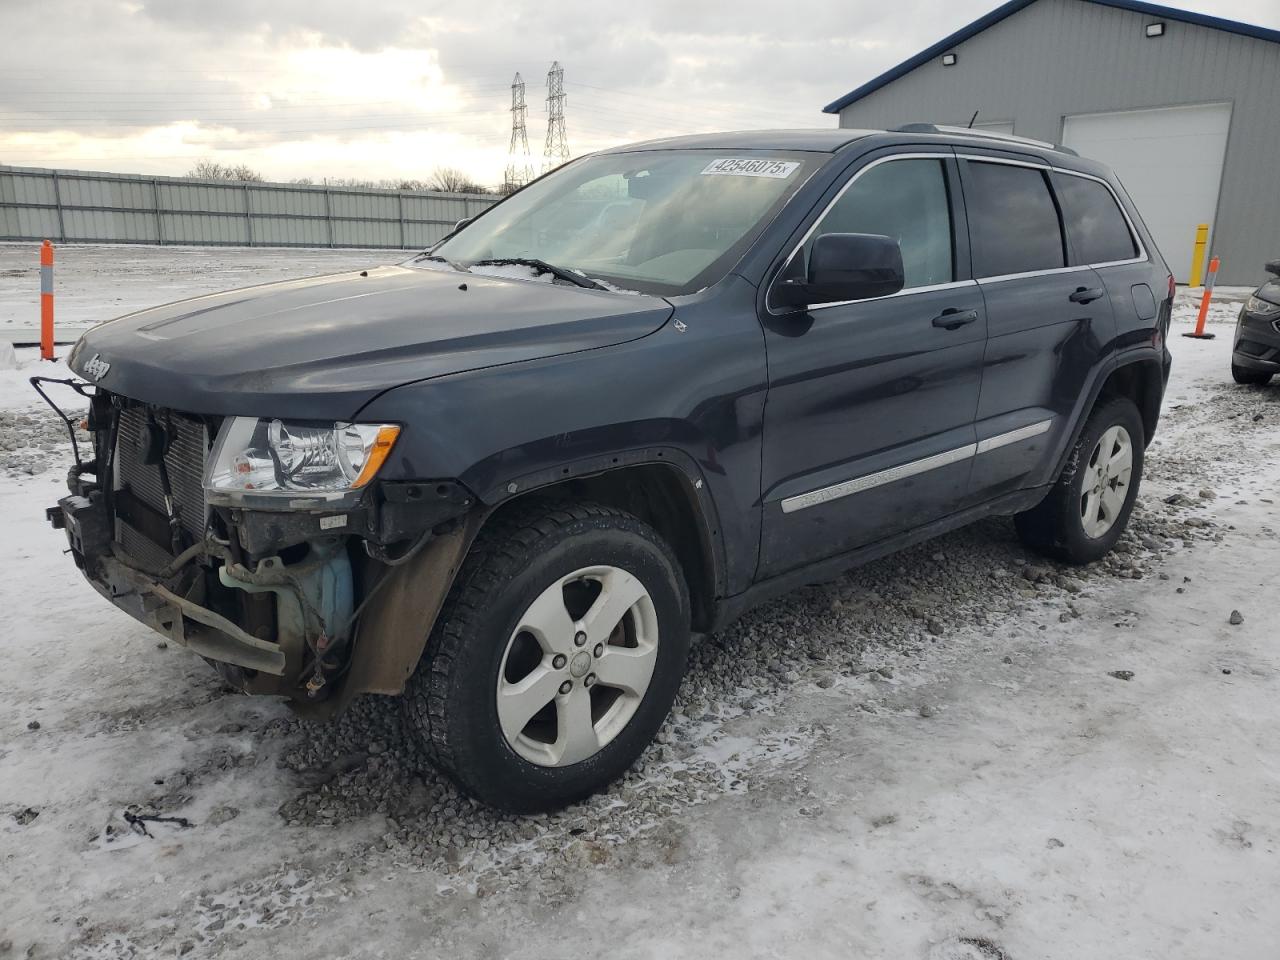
(750, 167)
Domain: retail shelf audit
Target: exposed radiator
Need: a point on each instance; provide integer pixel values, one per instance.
(185, 459)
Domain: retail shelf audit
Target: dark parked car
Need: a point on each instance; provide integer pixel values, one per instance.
(510, 477)
(1255, 358)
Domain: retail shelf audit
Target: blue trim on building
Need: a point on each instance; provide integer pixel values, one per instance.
(1012, 7)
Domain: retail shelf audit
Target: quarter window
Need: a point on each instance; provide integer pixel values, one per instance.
(1012, 220)
(906, 200)
(1095, 225)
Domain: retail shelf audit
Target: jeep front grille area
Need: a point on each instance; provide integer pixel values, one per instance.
(142, 520)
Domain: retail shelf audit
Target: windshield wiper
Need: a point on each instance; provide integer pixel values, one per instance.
(453, 263)
(560, 273)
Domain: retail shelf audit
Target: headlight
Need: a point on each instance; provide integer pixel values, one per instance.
(296, 459)
(1261, 308)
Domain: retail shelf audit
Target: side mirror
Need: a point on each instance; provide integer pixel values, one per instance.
(847, 266)
(462, 223)
(1273, 267)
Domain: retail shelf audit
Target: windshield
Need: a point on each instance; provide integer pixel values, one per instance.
(659, 221)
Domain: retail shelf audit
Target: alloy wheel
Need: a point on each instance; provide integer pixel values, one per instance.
(577, 666)
(1106, 482)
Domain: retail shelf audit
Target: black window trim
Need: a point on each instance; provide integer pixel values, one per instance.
(942, 156)
(1046, 167)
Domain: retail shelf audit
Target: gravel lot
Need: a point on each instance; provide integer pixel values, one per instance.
(960, 752)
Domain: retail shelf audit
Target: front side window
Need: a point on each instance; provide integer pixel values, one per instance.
(1013, 221)
(1095, 225)
(660, 221)
(906, 200)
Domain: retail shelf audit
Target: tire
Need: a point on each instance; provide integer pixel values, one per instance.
(1075, 523)
(536, 580)
(1252, 378)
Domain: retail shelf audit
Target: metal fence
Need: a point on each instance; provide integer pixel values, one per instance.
(70, 206)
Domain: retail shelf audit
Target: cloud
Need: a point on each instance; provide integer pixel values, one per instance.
(392, 88)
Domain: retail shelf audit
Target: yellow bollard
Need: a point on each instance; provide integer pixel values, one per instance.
(1197, 254)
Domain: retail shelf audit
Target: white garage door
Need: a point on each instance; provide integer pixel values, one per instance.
(1170, 162)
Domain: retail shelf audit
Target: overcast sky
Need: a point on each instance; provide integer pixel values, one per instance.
(391, 88)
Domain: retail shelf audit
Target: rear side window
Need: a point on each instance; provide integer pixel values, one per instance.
(906, 200)
(1095, 225)
(1013, 221)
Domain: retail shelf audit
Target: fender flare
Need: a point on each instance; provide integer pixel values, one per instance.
(507, 488)
(1101, 375)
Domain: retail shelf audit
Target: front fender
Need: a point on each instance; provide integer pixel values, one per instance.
(691, 395)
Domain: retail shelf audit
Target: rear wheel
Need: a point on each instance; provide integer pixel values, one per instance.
(1254, 378)
(556, 657)
(1088, 508)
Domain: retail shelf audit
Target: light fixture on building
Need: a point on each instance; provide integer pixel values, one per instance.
(949, 59)
(1155, 29)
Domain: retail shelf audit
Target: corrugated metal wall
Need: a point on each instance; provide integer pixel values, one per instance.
(72, 205)
(1057, 58)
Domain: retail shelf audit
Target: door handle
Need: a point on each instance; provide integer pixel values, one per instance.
(1087, 295)
(953, 319)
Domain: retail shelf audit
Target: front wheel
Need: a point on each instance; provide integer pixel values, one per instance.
(556, 657)
(1088, 508)
(1251, 378)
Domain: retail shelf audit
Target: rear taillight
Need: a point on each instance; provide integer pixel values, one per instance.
(1172, 287)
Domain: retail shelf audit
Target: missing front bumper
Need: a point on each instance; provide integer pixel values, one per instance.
(389, 635)
(152, 598)
(184, 621)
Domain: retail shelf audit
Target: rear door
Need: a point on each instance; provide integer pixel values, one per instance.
(1101, 235)
(868, 426)
(1047, 320)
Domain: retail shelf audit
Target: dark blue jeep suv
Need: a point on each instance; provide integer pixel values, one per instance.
(511, 476)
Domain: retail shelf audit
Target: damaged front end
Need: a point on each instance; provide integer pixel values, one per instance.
(244, 550)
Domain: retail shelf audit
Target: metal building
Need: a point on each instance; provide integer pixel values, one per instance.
(1185, 108)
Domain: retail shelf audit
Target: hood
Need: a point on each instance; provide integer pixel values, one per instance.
(321, 348)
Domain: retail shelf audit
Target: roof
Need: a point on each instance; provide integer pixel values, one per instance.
(1013, 6)
(823, 140)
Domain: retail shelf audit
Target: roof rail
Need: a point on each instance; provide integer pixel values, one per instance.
(970, 132)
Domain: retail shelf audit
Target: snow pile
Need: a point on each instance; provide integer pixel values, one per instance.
(512, 271)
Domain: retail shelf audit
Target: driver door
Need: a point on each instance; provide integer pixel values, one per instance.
(869, 422)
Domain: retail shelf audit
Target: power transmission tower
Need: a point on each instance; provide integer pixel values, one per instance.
(556, 151)
(519, 168)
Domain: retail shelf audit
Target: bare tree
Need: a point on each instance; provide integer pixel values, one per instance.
(448, 179)
(360, 183)
(453, 180)
(212, 170)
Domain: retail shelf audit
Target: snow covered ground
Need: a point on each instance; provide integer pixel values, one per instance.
(97, 281)
(958, 753)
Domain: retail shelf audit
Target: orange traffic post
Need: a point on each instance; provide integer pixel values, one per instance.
(1204, 303)
(46, 301)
